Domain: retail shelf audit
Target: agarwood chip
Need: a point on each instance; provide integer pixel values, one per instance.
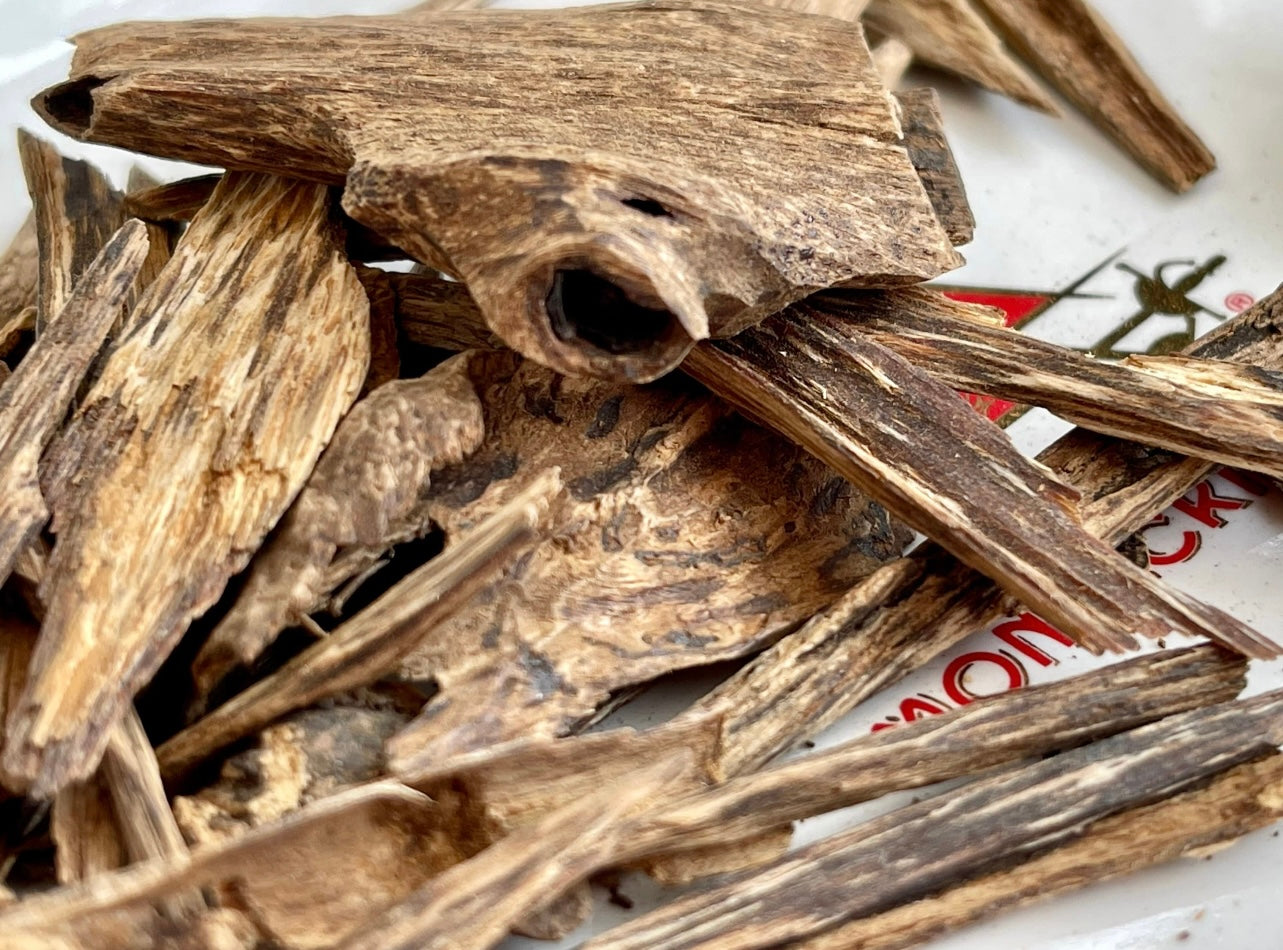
(963, 832)
(76, 210)
(35, 399)
(690, 536)
(19, 271)
(202, 427)
(365, 495)
(1078, 53)
(687, 220)
(952, 35)
(915, 446)
(1241, 800)
(1211, 409)
(370, 645)
(929, 151)
(389, 838)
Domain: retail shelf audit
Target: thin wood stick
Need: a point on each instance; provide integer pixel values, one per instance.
(1241, 800)
(371, 644)
(19, 276)
(146, 823)
(914, 609)
(913, 445)
(1214, 410)
(960, 833)
(474, 905)
(76, 211)
(35, 399)
(236, 383)
(702, 234)
(1077, 52)
(929, 151)
(515, 784)
(952, 35)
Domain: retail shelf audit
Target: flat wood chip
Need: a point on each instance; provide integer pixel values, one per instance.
(517, 198)
(202, 427)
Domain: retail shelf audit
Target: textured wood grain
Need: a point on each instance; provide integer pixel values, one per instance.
(963, 832)
(1078, 53)
(952, 35)
(921, 451)
(388, 834)
(593, 245)
(19, 277)
(372, 643)
(85, 832)
(512, 786)
(928, 149)
(203, 425)
(36, 398)
(76, 210)
(1214, 410)
(473, 905)
(691, 536)
(1241, 800)
(365, 495)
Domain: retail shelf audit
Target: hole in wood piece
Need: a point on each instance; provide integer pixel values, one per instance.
(648, 206)
(70, 105)
(585, 306)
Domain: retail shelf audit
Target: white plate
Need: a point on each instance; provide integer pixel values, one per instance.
(1053, 200)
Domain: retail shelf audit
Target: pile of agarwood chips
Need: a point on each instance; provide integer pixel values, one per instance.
(317, 573)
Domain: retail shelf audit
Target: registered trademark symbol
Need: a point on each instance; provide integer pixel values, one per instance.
(1238, 301)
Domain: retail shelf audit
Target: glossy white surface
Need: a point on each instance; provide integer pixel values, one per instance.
(1052, 199)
